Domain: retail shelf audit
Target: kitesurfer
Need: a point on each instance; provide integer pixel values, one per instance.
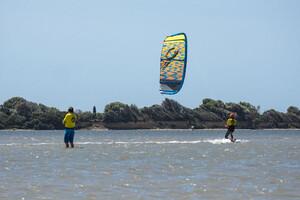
(230, 125)
(69, 123)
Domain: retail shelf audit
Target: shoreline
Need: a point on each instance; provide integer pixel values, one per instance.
(156, 129)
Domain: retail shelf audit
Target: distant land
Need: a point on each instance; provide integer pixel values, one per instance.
(18, 113)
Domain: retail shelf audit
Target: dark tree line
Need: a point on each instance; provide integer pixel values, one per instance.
(210, 114)
(18, 113)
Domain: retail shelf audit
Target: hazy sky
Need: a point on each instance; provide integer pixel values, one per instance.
(93, 52)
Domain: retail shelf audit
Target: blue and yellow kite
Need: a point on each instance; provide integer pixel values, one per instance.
(173, 63)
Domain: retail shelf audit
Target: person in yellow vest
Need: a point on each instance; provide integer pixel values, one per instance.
(69, 123)
(230, 125)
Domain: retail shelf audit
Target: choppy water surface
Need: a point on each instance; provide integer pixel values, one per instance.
(146, 164)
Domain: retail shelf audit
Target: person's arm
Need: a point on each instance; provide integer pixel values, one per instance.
(64, 120)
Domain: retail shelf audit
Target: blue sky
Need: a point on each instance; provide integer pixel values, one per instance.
(93, 52)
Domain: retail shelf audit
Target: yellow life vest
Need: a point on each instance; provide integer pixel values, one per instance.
(69, 120)
(231, 122)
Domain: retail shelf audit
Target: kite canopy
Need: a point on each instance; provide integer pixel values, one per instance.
(173, 63)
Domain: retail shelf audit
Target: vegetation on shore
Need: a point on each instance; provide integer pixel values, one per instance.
(18, 113)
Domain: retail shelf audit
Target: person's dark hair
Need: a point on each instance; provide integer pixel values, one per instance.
(71, 109)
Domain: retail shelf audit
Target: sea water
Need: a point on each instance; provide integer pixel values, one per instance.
(150, 164)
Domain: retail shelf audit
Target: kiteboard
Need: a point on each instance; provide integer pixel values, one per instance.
(173, 62)
(233, 140)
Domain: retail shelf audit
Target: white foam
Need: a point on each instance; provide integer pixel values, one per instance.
(224, 141)
(211, 141)
(28, 144)
(218, 141)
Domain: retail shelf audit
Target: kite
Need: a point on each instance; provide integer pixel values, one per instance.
(173, 63)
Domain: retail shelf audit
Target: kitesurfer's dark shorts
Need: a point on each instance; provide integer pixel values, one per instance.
(231, 128)
(69, 135)
(229, 131)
